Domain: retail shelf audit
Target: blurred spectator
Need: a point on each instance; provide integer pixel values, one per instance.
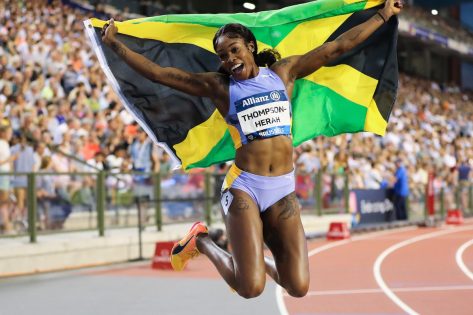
(115, 160)
(40, 151)
(165, 166)
(373, 178)
(24, 163)
(419, 179)
(464, 171)
(45, 192)
(6, 159)
(401, 191)
(140, 152)
(120, 185)
(98, 162)
(464, 179)
(450, 187)
(308, 162)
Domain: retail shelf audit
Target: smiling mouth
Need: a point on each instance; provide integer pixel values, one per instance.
(236, 69)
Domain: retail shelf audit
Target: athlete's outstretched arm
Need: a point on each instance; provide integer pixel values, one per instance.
(296, 67)
(199, 84)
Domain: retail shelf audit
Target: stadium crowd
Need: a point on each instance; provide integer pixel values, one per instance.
(57, 110)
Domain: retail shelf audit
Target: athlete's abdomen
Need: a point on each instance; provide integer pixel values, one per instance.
(266, 157)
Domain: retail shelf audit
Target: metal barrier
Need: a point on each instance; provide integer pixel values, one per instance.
(56, 207)
(101, 200)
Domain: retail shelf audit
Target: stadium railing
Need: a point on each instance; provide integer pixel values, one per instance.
(100, 200)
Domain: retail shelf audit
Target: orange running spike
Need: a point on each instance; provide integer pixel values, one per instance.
(186, 248)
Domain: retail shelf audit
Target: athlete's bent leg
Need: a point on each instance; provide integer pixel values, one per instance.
(284, 234)
(244, 270)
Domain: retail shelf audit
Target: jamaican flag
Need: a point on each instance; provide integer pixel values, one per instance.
(354, 93)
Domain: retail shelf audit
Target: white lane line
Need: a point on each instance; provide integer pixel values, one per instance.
(279, 290)
(280, 301)
(377, 265)
(377, 291)
(459, 259)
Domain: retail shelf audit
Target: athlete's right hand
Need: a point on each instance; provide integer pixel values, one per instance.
(108, 32)
(392, 7)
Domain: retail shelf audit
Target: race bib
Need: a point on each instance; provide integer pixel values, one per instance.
(264, 115)
(226, 201)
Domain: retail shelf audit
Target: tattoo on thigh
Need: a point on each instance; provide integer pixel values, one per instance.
(240, 204)
(288, 206)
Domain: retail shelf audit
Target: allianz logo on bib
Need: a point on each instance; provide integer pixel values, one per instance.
(274, 96)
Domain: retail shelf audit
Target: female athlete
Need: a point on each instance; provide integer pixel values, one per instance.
(253, 92)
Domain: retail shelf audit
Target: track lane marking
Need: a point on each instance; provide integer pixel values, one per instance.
(279, 290)
(378, 290)
(459, 259)
(377, 265)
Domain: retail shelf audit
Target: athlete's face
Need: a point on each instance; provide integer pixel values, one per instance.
(237, 57)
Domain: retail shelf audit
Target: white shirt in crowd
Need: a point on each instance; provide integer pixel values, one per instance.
(4, 156)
